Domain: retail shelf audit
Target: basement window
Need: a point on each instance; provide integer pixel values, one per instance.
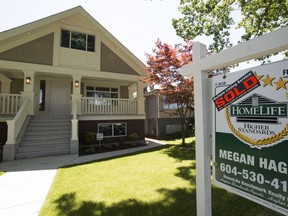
(113, 129)
(77, 40)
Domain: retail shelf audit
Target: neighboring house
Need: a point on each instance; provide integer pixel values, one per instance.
(61, 77)
(160, 116)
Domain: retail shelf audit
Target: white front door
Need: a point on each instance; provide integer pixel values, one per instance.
(60, 103)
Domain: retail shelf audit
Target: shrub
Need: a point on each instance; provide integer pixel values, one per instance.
(90, 137)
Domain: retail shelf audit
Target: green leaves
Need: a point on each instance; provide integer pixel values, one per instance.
(213, 18)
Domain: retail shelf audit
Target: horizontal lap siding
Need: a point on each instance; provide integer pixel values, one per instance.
(162, 122)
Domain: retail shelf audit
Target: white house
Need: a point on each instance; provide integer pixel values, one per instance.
(62, 76)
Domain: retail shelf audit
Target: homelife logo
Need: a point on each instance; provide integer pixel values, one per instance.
(257, 120)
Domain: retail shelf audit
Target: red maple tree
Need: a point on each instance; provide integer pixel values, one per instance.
(164, 66)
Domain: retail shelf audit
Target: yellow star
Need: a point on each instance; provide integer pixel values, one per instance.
(281, 84)
(258, 77)
(268, 81)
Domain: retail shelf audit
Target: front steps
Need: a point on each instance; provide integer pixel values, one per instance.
(45, 136)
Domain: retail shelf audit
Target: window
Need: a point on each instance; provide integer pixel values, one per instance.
(42, 93)
(113, 129)
(77, 40)
(101, 92)
(168, 105)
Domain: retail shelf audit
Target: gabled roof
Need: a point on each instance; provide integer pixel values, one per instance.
(82, 15)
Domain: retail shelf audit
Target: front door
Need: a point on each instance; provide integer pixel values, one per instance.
(59, 97)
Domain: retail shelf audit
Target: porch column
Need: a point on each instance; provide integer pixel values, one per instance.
(5, 84)
(28, 90)
(9, 147)
(140, 98)
(76, 110)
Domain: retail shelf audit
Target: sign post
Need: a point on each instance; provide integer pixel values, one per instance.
(99, 138)
(250, 141)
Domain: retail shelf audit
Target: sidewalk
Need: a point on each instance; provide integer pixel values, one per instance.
(24, 186)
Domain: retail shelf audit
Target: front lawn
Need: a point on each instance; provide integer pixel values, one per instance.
(1, 172)
(157, 182)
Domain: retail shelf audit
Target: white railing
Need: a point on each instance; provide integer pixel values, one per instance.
(10, 103)
(108, 106)
(15, 125)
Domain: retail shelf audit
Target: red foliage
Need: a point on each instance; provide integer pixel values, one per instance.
(165, 62)
(163, 69)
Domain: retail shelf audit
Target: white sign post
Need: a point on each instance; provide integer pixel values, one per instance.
(99, 138)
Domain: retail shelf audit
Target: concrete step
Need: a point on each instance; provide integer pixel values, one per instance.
(41, 154)
(52, 137)
(48, 132)
(45, 142)
(45, 136)
(46, 148)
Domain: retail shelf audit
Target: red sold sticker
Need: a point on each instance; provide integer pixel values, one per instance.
(235, 91)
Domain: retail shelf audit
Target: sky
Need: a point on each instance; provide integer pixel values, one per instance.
(137, 24)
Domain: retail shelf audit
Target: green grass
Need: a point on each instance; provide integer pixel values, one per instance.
(158, 182)
(1, 172)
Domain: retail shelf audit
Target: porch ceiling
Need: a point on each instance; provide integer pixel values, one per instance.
(10, 73)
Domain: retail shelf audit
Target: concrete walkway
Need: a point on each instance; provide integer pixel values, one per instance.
(24, 186)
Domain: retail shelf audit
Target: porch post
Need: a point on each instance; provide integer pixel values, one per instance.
(9, 147)
(5, 84)
(140, 98)
(76, 110)
(28, 90)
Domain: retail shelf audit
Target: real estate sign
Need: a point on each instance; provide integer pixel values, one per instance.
(250, 142)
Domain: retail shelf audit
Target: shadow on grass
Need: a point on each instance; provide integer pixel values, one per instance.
(181, 152)
(175, 202)
(179, 202)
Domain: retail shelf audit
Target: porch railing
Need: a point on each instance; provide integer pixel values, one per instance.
(10, 103)
(108, 106)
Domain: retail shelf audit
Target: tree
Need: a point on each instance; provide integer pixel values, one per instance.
(213, 18)
(164, 70)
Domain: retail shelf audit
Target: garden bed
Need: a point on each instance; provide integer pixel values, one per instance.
(85, 149)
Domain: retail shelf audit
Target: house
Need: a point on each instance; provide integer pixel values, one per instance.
(161, 117)
(63, 76)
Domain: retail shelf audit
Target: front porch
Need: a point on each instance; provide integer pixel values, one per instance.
(70, 101)
(15, 112)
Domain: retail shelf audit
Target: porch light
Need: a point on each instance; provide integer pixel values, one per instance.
(76, 83)
(28, 80)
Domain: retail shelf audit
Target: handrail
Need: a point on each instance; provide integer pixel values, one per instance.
(15, 125)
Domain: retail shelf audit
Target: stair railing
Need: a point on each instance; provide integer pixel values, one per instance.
(15, 125)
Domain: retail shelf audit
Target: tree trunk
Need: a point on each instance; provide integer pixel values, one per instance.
(183, 129)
